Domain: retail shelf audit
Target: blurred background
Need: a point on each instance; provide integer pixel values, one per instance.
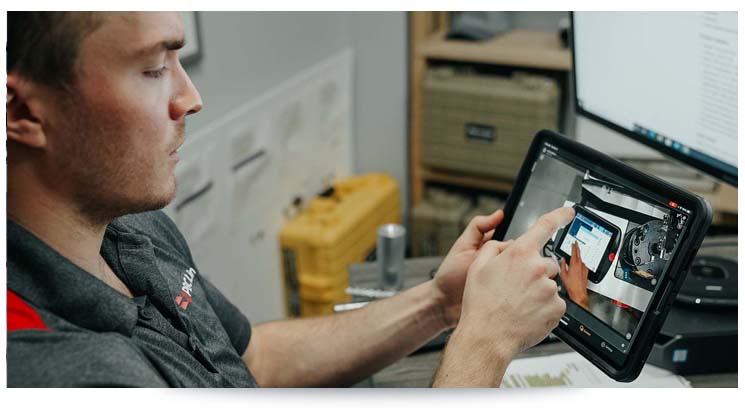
(318, 127)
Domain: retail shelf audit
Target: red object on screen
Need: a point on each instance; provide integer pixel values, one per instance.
(620, 304)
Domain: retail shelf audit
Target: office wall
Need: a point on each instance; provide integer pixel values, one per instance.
(379, 41)
(246, 55)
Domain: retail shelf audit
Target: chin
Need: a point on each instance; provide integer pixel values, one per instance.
(167, 197)
(163, 202)
(157, 200)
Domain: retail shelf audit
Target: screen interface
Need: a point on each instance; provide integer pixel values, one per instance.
(604, 315)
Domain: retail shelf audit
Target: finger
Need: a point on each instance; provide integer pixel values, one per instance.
(494, 248)
(578, 252)
(488, 236)
(480, 225)
(548, 288)
(489, 250)
(542, 267)
(552, 267)
(563, 265)
(546, 226)
(560, 307)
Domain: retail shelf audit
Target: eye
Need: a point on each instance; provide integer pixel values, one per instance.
(156, 73)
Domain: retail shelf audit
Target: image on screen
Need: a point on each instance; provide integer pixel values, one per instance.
(608, 312)
(592, 238)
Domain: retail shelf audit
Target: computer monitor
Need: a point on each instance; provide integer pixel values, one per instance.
(665, 79)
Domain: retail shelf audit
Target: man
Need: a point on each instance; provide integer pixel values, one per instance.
(102, 289)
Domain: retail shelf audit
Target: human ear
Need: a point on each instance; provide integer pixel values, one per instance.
(23, 124)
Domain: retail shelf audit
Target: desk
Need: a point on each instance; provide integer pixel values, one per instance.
(417, 371)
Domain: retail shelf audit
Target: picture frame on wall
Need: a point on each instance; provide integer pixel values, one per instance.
(192, 51)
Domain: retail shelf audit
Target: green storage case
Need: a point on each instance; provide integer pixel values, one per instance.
(483, 125)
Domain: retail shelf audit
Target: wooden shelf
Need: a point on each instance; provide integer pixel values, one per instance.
(460, 179)
(524, 48)
(517, 48)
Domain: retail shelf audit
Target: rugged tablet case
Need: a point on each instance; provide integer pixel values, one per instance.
(666, 291)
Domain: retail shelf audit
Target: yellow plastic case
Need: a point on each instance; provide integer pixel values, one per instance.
(333, 232)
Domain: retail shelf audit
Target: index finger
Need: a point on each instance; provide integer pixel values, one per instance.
(546, 226)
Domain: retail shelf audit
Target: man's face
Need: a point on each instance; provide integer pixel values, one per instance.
(113, 144)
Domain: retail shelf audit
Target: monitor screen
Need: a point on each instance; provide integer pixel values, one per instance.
(666, 79)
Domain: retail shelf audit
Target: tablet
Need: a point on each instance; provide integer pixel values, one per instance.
(635, 237)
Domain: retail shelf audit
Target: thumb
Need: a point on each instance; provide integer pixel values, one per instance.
(481, 225)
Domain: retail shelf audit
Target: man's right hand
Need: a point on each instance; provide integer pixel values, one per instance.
(511, 301)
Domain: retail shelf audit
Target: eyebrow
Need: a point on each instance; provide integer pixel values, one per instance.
(170, 44)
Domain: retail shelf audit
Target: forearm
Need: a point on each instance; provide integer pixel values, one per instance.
(345, 348)
(473, 359)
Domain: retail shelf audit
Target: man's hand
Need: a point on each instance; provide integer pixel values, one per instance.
(574, 277)
(451, 275)
(510, 293)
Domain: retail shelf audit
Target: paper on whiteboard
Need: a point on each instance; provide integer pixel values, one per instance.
(573, 370)
(250, 165)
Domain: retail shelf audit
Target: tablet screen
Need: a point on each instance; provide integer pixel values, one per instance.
(592, 239)
(625, 233)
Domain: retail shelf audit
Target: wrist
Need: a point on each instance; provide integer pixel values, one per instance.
(473, 359)
(581, 299)
(493, 343)
(440, 307)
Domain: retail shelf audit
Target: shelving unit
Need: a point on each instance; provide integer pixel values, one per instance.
(525, 48)
(531, 50)
(518, 48)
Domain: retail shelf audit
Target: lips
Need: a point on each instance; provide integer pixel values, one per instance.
(173, 155)
(179, 134)
(175, 150)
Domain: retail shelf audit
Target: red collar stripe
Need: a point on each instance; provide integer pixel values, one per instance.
(22, 316)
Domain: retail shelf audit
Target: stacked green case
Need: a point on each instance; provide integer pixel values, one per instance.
(438, 220)
(483, 125)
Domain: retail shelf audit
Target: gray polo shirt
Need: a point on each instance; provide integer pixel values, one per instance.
(178, 330)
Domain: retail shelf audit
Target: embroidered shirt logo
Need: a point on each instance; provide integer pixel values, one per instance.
(184, 299)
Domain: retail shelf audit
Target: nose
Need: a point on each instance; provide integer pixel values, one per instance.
(186, 100)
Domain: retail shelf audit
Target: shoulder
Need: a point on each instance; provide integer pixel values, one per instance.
(37, 358)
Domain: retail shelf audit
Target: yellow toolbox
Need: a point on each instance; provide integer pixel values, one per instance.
(334, 231)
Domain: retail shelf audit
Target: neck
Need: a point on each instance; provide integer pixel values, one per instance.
(57, 221)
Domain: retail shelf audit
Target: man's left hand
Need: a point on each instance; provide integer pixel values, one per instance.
(451, 275)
